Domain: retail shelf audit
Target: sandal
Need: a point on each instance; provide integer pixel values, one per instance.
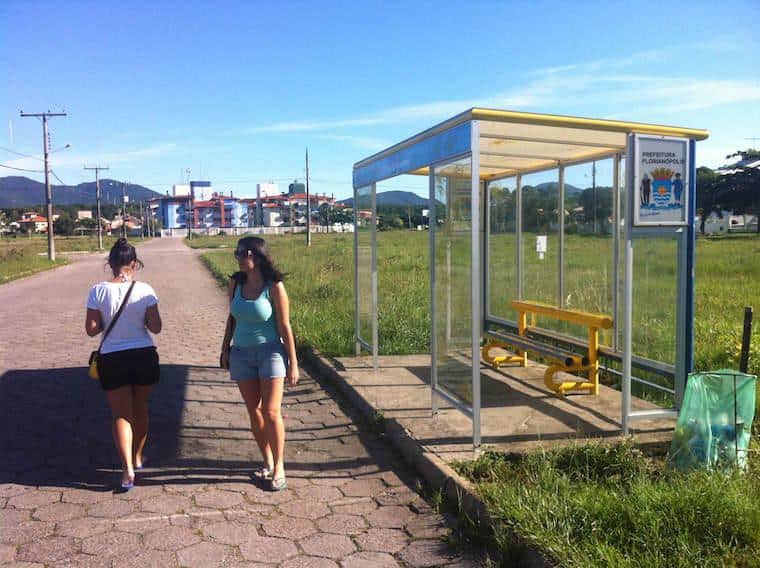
(262, 472)
(279, 484)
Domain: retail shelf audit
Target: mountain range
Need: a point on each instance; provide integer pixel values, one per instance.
(409, 199)
(18, 192)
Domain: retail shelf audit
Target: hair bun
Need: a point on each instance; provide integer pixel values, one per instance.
(121, 242)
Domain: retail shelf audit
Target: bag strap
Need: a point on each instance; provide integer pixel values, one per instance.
(116, 317)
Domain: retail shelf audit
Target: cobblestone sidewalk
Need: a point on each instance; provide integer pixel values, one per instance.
(351, 502)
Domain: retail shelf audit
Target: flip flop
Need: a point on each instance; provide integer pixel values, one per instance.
(279, 484)
(262, 472)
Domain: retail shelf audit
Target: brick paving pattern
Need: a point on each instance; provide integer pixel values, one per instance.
(351, 502)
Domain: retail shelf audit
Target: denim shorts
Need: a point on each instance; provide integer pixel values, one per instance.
(266, 361)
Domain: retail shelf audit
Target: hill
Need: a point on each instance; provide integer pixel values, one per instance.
(554, 186)
(394, 198)
(18, 191)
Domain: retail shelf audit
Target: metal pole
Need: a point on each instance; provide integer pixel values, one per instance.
(561, 240)
(616, 253)
(628, 284)
(48, 189)
(432, 216)
(48, 192)
(476, 283)
(519, 236)
(746, 337)
(308, 203)
(97, 202)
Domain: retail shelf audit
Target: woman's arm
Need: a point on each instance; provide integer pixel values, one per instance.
(229, 329)
(153, 319)
(93, 322)
(282, 310)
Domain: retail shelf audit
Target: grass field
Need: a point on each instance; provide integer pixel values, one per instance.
(321, 286)
(23, 256)
(589, 505)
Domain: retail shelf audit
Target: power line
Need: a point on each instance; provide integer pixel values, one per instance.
(22, 169)
(20, 154)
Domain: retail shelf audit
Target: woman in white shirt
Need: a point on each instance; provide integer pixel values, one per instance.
(128, 361)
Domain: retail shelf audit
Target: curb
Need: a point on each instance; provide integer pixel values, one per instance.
(459, 492)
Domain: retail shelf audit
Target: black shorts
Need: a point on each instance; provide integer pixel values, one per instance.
(129, 367)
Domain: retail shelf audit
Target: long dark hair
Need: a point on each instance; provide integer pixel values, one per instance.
(122, 254)
(260, 251)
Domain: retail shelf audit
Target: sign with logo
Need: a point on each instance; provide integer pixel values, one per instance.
(661, 186)
(541, 245)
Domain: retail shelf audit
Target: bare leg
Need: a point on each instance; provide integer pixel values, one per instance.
(140, 424)
(274, 427)
(120, 401)
(252, 396)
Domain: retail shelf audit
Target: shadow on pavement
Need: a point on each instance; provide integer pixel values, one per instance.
(55, 431)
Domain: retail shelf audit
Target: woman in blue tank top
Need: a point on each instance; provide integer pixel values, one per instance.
(260, 352)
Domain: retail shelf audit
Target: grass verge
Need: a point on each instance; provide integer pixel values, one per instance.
(23, 256)
(601, 505)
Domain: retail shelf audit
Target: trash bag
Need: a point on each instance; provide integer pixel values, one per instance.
(715, 422)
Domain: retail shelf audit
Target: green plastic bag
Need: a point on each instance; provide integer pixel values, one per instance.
(715, 422)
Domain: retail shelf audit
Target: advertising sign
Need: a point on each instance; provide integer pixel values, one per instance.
(661, 184)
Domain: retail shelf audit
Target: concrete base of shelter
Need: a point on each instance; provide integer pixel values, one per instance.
(518, 413)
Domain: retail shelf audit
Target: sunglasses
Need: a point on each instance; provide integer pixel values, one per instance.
(242, 253)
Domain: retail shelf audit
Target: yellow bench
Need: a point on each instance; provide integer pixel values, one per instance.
(563, 360)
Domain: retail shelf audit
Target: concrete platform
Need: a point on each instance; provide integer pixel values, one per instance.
(519, 414)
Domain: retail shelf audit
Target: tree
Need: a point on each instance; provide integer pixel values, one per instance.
(597, 204)
(64, 225)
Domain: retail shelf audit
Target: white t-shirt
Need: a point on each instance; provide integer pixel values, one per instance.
(130, 331)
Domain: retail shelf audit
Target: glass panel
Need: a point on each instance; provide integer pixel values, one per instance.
(364, 236)
(453, 277)
(403, 267)
(501, 270)
(588, 243)
(540, 205)
(655, 296)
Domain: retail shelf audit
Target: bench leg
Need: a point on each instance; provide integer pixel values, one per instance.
(497, 361)
(593, 360)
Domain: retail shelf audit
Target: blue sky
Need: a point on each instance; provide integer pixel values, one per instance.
(236, 90)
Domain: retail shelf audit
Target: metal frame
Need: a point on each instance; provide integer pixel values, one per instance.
(460, 137)
(360, 342)
(436, 390)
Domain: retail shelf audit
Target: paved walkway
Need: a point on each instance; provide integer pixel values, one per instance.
(351, 501)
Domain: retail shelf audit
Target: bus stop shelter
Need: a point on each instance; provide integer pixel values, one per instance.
(493, 251)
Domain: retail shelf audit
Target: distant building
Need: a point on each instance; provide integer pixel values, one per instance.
(214, 210)
(180, 189)
(201, 189)
(31, 221)
(84, 215)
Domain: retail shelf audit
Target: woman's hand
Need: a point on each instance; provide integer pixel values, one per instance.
(224, 359)
(292, 376)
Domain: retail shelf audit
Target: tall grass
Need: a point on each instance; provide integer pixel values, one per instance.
(596, 505)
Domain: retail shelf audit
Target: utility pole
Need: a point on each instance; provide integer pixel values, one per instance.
(142, 221)
(124, 209)
(97, 201)
(48, 189)
(308, 203)
(593, 185)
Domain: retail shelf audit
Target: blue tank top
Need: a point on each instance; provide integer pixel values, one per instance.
(254, 319)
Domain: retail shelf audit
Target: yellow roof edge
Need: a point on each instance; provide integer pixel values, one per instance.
(591, 123)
